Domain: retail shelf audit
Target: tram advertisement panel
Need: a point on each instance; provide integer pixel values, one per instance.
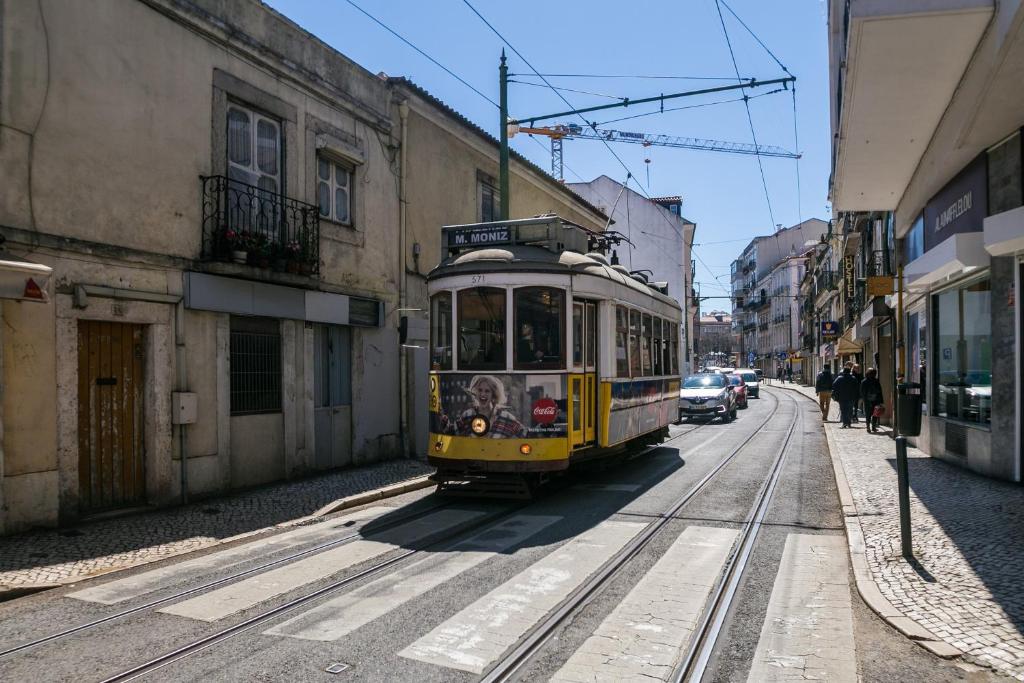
(514, 406)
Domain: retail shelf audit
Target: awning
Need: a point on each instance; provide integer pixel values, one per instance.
(23, 280)
(849, 345)
(959, 254)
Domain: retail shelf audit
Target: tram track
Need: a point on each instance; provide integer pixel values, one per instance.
(213, 639)
(528, 649)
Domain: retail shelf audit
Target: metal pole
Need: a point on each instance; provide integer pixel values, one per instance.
(904, 495)
(503, 160)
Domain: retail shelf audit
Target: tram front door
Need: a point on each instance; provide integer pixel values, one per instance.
(583, 379)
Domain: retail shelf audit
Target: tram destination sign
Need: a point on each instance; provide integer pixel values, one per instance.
(478, 237)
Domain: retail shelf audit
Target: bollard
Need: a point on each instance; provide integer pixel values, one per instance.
(904, 497)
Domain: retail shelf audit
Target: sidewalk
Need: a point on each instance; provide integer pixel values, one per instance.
(966, 596)
(59, 556)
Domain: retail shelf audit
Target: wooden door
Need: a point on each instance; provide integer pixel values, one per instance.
(110, 416)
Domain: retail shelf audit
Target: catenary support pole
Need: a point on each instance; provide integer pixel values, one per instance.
(503, 199)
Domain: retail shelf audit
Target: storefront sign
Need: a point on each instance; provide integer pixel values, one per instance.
(959, 207)
(848, 276)
(880, 285)
(829, 329)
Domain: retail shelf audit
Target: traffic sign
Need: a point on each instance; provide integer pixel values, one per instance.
(750, 358)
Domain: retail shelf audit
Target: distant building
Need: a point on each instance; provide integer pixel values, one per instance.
(713, 338)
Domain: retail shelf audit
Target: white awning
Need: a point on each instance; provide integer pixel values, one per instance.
(1004, 232)
(960, 254)
(22, 280)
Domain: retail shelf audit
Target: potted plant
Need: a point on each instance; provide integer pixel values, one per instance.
(237, 244)
(293, 256)
(259, 250)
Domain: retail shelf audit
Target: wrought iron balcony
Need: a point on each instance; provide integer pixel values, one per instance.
(824, 281)
(247, 224)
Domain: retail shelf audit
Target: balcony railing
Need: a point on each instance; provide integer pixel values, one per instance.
(825, 280)
(246, 224)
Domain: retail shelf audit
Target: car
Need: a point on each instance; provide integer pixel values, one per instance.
(760, 374)
(741, 390)
(727, 371)
(708, 395)
(752, 378)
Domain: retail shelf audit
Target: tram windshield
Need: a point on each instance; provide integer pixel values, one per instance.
(540, 324)
(482, 329)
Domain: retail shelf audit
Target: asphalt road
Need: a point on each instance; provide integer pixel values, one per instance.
(450, 609)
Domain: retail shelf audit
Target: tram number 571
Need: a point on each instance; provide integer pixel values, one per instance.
(479, 279)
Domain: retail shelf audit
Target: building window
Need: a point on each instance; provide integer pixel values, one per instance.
(441, 331)
(963, 353)
(540, 323)
(255, 361)
(490, 198)
(254, 149)
(481, 328)
(913, 243)
(621, 341)
(334, 190)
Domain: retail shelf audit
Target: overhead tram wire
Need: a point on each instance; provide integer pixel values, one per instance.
(676, 78)
(746, 104)
(754, 35)
(581, 92)
(546, 82)
(689, 106)
(431, 59)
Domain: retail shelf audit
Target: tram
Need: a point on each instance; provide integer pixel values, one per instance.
(544, 355)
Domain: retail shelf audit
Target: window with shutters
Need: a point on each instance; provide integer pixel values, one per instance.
(334, 190)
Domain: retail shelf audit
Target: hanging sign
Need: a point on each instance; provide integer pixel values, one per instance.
(829, 329)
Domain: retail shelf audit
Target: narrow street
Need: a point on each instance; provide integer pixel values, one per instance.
(588, 582)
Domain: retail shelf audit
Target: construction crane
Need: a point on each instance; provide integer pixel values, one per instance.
(559, 132)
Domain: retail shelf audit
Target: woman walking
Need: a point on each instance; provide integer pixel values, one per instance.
(871, 394)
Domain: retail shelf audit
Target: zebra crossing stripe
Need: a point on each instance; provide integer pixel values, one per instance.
(344, 614)
(808, 628)
(140, 584)
(480, 633)
(645, 635)
(244, 594)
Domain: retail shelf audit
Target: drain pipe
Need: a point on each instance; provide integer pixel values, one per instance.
(403, 354)
(182, 382)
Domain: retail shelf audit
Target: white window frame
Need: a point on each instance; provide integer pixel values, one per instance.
(334, 168)
(253, 169)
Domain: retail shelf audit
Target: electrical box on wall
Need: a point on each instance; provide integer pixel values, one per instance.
(184, 408)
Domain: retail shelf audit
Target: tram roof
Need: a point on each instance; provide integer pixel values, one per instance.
(539, 259)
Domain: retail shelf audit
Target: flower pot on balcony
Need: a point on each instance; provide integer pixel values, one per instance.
(239, 256)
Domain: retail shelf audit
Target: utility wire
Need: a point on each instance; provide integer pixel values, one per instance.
(750, 119)
(689, 106)
(582, 92)
(754, 35)
(546, 81)
(431, 59)
(675, 78)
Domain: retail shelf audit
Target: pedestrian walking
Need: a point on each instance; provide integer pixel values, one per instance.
(846, 390)
(871, 394)
(789, 374)
(823, 386)
(859, 376)
(780, 375)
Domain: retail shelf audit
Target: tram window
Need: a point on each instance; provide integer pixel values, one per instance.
(674, 349)
(635, 366)
(540, 325)
(482, 329)
(621, 343)
(441, 331)
(667, 333)
(577, 334)
(647, 345)
(656, 347)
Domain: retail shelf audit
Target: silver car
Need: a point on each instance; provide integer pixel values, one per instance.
(707, 395)
(750, 378)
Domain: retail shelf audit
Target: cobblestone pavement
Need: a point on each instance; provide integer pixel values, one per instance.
(967, 537)
(66, 555)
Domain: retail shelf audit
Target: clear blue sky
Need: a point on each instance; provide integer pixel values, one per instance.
(722, 193)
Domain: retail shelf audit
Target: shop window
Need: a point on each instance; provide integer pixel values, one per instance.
(963, 353)
(255, 361)
(621, 341)
(540, 324)
(481, 321)
(635, 366)
(441, 331)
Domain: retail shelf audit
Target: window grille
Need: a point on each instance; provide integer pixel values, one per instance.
(255, 366)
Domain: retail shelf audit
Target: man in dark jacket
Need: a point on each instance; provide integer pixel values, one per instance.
(859, 376)
(846, 390)
(871, 394)
(823, 386)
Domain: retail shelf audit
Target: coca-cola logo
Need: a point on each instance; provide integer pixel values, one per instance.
(545, 410)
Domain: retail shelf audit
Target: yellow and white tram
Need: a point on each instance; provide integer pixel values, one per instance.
(543, 355)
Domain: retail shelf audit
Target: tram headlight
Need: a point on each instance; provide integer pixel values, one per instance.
(479, 425)
(525, 449)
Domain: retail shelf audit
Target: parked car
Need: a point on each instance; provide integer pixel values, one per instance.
(707, 395)
(760, 374)
(727, 371)
(740, 391)
(752, 378)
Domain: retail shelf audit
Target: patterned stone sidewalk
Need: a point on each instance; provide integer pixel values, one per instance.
(967, 538)
(63, 556)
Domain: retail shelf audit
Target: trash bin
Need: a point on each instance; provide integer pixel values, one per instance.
(908, 409)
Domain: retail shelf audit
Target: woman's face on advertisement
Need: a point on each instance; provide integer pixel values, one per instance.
(484, 393)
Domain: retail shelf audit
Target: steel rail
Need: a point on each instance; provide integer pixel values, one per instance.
(694, 664)
(509, 665)
(213, 639)
(214, 584)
